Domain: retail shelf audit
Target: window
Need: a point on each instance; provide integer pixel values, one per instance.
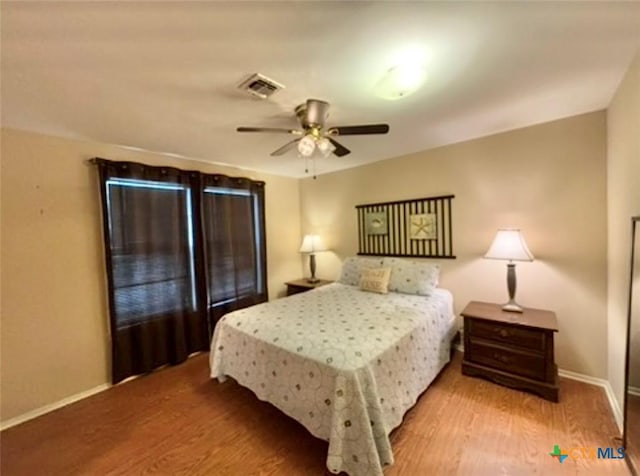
(233, 237)
(152, 251)
(234, 243)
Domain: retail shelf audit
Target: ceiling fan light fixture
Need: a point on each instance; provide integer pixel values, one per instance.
(306, 146)
(325, 146)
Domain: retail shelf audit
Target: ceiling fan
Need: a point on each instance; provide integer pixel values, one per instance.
(313, 134)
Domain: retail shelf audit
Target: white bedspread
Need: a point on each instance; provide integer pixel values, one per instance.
(345, 363)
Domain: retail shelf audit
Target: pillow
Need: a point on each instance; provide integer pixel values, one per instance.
(353, 266)
(375, 280)
(412, 277)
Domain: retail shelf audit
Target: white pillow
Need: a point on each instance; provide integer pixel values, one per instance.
(412, 277)
(375, 280)
(352, 269)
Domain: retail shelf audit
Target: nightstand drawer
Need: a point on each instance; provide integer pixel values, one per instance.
(502, 358)
(511, 335)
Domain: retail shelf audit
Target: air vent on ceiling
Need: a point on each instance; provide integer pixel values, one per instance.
(260, 86)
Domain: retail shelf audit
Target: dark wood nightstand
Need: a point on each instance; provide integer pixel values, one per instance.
(302, 285)
(512, 349)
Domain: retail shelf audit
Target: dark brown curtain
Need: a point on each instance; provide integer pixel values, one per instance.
(235, 248)
(182, 249)
(157, 315)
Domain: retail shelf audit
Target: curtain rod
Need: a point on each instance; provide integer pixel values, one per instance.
(98, 160)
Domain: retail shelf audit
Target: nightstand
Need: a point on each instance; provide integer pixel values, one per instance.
(302, 285)
(512, 349)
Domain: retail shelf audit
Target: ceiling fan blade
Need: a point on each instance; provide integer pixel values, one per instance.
(285, 148)
(341, 150)
(357, 130)
(269, 129)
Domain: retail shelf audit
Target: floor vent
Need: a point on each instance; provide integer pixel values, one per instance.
(260, 86)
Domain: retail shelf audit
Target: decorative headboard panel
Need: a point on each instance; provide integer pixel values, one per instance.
(420, 228)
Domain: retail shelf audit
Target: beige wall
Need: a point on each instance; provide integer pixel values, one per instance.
(623, 202)
(54, 316)
(549, 180)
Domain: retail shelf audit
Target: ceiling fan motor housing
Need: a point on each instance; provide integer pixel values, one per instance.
(313, 114)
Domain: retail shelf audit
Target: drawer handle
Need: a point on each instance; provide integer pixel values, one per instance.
(502, 358)
(502, 332)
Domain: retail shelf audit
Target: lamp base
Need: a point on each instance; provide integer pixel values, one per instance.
(511, 306)
(312, 267)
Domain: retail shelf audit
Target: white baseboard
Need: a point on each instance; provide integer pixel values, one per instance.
(613, 403)
(52, 406)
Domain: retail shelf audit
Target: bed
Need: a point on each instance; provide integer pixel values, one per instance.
(345, 363)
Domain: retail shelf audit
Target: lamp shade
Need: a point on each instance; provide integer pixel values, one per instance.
(311, 244)
(509, 245)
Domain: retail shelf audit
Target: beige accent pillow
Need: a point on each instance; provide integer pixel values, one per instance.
(375, 280)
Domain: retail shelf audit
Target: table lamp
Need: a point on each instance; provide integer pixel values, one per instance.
(311, 244)
(509, 245)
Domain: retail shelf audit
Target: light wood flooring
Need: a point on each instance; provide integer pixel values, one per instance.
(177, 421)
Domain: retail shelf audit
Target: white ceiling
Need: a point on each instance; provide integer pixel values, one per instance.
(162, 76)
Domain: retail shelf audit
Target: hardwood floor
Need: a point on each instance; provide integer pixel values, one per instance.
(179, 422)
